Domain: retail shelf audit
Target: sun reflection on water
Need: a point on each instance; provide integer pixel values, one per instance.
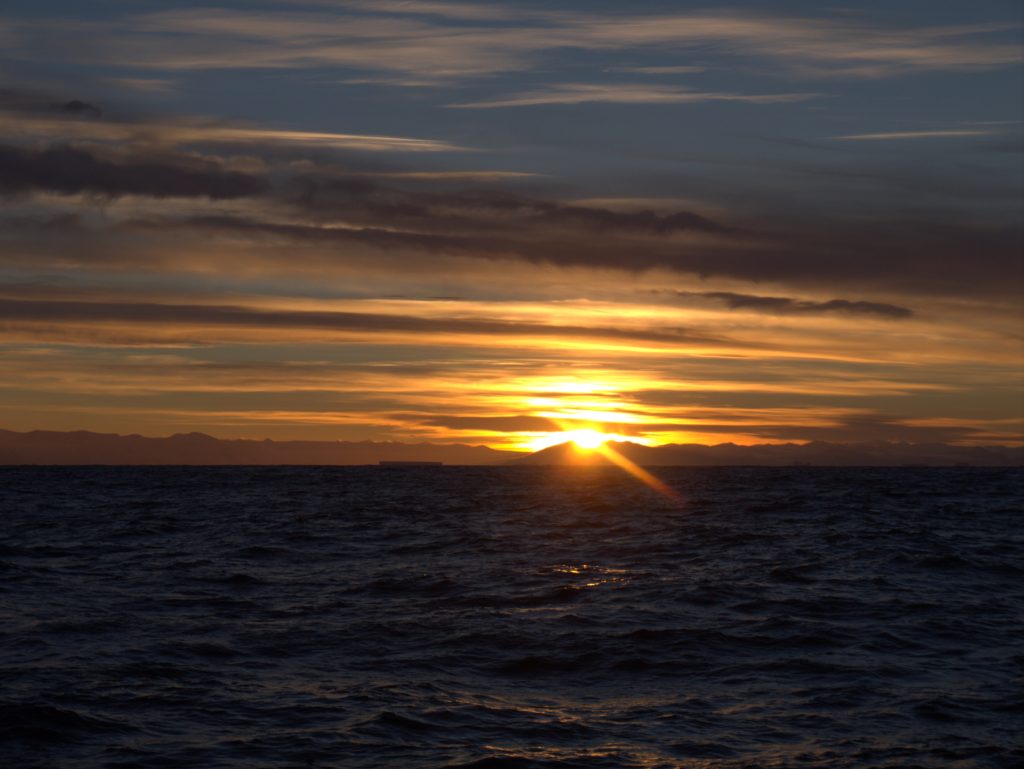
(593, 575)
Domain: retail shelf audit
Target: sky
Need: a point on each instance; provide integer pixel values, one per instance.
(492, 222)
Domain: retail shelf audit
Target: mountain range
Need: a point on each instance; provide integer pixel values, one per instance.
(42, 447)
(876, 453)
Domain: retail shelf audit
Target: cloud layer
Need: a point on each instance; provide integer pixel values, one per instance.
(479, 222)
(446, 41)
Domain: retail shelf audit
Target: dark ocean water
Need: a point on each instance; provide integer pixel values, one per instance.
(510, 617)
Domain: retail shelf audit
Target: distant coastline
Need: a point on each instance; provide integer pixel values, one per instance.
(41, 447)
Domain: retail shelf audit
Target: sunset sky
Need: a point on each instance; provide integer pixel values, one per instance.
(487, 222)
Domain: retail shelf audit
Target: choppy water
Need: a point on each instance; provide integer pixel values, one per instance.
(510, 617)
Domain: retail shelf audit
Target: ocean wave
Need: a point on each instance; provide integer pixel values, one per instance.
(511, 618)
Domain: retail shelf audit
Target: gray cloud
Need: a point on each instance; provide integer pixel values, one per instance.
(933, 134)
(327, 198)
(28, 102)
(37, 115)
(43, 311)
(69, 170)
(461, 41)
(376, 237)
(78, 107)
(912, 257)
(785, 305)
(477, 224)
(473, 209)
(517, 423)
(625, 93)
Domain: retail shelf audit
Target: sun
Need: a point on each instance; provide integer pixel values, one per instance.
(587, 439)
(582, 439)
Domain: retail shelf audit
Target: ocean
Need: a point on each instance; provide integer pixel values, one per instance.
(510, 618)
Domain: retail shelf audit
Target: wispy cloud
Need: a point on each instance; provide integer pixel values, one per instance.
(184, 316)
(462, 11)
(448, 176)
(626, 93)
(200, 133)
(950, 133)
(668, 70)
(785, 305)
(818, 46)
(143, 84)
(454, 41)
(31, 122)
(276, 216)
(370, 270)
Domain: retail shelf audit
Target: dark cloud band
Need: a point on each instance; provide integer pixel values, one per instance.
(33, 311)
(69, 170)
(785, 305)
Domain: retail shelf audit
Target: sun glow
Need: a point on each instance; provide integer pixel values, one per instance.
(587, 439)
(585, 412)
(595, 442)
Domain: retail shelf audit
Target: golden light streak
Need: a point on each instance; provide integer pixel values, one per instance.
(590, 439)
(608, 452)
(586, 438)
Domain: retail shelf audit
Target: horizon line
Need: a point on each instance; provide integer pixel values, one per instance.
(524, 452)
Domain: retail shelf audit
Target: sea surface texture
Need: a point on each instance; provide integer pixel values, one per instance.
(510, 617)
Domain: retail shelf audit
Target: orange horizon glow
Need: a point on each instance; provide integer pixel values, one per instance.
(584, 438)
(175, 262)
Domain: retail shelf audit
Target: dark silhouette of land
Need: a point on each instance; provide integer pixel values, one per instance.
(42, 447)
(87, 448)
(876, 453)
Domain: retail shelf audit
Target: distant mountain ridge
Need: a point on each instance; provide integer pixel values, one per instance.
(42, 447)
(788, 454)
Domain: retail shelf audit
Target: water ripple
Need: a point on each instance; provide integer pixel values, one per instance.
(496, 618)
